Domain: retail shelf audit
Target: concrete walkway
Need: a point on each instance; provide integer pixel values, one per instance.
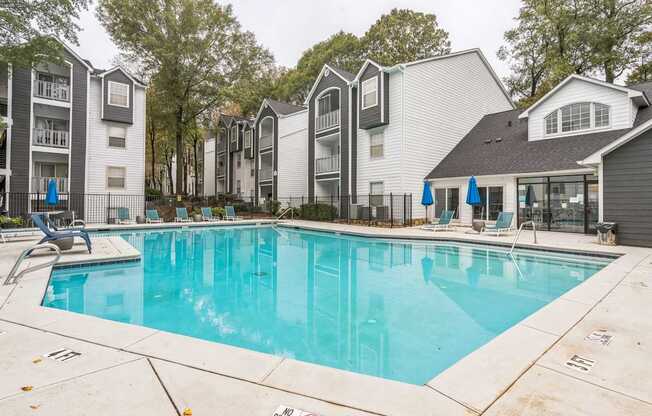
(130, 377)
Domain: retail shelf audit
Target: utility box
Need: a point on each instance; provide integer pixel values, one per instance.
(607, 233)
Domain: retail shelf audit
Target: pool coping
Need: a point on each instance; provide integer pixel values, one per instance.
(468, 387)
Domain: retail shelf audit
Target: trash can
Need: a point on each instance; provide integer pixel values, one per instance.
(607, 233)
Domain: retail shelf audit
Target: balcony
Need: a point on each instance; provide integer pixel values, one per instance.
(220, 171)
(265, 174)
(327, 120)
(52, 90)
(266, 142)
(327, 164)
(51, 138)
(40, 184)
(221, 146)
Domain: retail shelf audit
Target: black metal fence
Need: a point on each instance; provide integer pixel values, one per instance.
(379, 210)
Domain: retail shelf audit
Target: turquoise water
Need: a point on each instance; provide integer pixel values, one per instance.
(395, 309)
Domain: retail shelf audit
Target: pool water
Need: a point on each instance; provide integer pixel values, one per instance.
(401, 310)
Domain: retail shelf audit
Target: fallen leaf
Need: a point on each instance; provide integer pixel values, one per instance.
(27, 388)
(187, 412)
(34, 406)
(37, 360)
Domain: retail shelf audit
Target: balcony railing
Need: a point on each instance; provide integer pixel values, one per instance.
(40, 184)
(52, 90)
(51, 138)
(266, 141)
(327, 164)
(220, 171)
(328, 120)
(265, 174)
(221, 146)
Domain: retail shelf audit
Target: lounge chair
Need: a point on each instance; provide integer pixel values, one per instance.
(207, 215)
(151, 217)
(503, 224)
(182, 215)
(229, 213)
(444, 222)
(123, 216)
(51, 235)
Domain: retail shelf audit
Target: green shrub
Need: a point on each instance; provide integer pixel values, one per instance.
(11, 222)
(152, 192)
(317, 212)
(218, 211)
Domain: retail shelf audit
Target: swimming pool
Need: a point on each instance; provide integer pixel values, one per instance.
(401, 310)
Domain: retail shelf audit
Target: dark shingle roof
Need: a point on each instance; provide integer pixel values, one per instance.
(515, 154)
(282, 108)
(344, 73)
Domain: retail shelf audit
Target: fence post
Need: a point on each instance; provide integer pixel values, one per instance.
(108, 208)
(391, 210)
(369, 210)
(404, 210)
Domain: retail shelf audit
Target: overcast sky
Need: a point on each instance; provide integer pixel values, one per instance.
(288, 27)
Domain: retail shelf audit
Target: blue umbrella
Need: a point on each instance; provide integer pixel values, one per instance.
(473, 195)
(426, 198)
(52, 198)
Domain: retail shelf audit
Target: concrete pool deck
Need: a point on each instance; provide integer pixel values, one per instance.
(520, 372)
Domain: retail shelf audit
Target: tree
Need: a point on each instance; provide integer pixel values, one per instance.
(195, 50)
(642, 71)
(404, 36)
(29, 29)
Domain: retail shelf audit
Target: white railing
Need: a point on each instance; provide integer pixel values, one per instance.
(52, 90)
(327, 164)
(266, 141)
(50, 138)
(40, 184)
(265, 174)
(328, 120)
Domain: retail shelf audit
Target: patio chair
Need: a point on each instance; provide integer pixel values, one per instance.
(444, 222)
(152, 217)
(182, 215)
(229, 213)
(503, 224)
(207, 215)
(123, 216)
(51, 235)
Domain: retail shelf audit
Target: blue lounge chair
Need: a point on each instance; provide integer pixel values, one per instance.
(182, 215)
(503, 224)
(229, 213)
(123, 216)
(151, 217)
(51, 235)
(444, 222)
(207, 215)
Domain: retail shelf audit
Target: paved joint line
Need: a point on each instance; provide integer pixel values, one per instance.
(167, 393)
(66, 380)
(269, 373)
(540, 330)
(140, 340)
(11, 292)
(476, 411)
(594, 384)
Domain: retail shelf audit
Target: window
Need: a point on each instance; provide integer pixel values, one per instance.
(115, 177)
(376, 191)
(601, 115)
(234, 136)
(239, 163)
(575, 117)
(447, 199)
(491, 206)
(266, 133)
(551, 123)
(238, 189)
(376, 145)
(117, 136)
(369, 93)
(247, 139)
(324, 104)
(252, 172)
(118, 94)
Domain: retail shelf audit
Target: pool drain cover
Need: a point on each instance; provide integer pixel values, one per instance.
(260, 274)
(62, 355)
(291, 411)
(579, 363)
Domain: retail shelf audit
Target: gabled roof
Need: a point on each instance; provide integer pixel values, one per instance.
(83, 61)
(367, 62)
(479, 153)
(280, 108)
(634, 94)
(103, 73)
(344, 75)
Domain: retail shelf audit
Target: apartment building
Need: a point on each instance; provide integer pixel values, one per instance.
(81, 126)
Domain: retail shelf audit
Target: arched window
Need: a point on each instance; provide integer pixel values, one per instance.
(576, 117)
(266, 132)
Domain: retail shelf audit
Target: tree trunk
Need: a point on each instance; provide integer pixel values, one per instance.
(168, 163)
(608, 73)
(153, 145)
(196, 167)
(179, 146)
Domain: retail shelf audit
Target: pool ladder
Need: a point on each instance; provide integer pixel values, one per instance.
(285, 211)
(518, 234)
(13, 275)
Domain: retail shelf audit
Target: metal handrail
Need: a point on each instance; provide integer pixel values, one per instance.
(285, 211)
(12, 277)
(534, 229)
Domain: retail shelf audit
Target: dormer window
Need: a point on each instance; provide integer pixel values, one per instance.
(576, 117)
(369, 93)
(118, 94)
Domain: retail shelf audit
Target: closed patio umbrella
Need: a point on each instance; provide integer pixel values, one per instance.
(52, 197)
(426, 197)
(473, 199)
